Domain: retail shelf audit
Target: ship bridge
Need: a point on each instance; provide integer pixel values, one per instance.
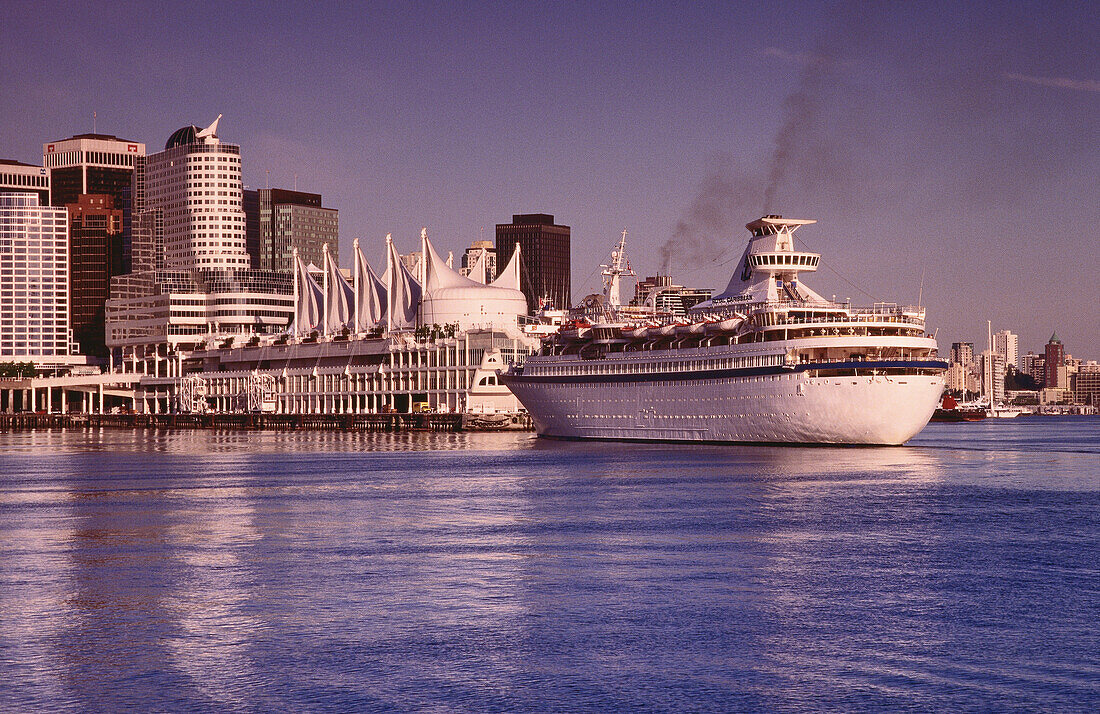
(783, 261)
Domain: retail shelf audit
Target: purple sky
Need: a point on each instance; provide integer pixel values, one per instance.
(961, 143)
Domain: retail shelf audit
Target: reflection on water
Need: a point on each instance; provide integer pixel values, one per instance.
(199, 570)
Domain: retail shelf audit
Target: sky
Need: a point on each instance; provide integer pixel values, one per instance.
(950, 152)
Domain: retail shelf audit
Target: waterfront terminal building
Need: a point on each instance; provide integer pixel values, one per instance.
(400, 342)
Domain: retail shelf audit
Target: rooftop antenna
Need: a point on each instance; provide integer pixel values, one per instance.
(268, 172)
(93, 121)
(295, 182)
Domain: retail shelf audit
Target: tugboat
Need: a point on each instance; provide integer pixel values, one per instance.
(950, 410)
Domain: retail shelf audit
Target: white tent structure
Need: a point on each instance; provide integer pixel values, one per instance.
(370, 294)
(450, 298)
(398, 301)
(479, 269)
(509, 277)
(402, 290)
(309, 300)
(339, 298)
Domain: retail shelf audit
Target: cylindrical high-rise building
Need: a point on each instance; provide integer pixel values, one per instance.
(196, 184)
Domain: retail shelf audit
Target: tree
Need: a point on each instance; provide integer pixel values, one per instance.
(1018, 381)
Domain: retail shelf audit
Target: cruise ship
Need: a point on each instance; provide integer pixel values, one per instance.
(766, 361)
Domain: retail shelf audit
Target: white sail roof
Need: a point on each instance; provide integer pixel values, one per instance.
(309, 309)
(340, 302)
(370, 293)
(509, 277)
(477, 270)
(402, 290)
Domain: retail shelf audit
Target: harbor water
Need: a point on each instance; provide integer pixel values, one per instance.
(204, 570)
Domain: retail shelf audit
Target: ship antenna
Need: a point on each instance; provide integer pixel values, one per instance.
(920, 294)
(618, 266)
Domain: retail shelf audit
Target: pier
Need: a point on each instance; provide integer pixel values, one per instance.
(271, 422)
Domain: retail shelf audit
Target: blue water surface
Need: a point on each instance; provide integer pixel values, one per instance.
(260, 571)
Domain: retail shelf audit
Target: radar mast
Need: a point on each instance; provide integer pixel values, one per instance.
(617, 267)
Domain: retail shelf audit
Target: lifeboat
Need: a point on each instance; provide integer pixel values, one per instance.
(720, 326)
(695, 328)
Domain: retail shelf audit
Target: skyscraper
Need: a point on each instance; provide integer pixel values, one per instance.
(294, 219)
(95, 242)
(544, 251)
(196, 183)
(17, 177)
(1007, 344)
(90, 163)
(34, 280)
(1054, 364)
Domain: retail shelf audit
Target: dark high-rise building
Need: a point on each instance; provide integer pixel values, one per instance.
(544, 251)
(90, 163)
(250, 202)
(294, 219)
(1054, 359)
(17, 177)
(95, 249)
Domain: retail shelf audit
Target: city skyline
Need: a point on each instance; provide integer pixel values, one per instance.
(952, 143)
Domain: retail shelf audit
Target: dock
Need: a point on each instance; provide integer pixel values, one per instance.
(269, 422)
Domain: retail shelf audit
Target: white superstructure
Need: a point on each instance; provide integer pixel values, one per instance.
(768, 360)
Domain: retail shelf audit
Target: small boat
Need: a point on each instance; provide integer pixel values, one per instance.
(950, 410)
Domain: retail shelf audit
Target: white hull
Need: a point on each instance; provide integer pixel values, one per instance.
(792, 407)
(1003, 413)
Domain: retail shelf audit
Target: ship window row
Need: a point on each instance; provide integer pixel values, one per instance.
(791, 259)
(695, 365)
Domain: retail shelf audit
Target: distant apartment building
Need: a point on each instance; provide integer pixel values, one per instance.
(95, 246)
(962, 352)
(34, 282)
(90, 163)
(288, 220)
(412, 262)
(1086, 384)
(993, 375)
(1032, 365)
(545, 255)
(963, 374)
(956, 380)
(17, 177)
(1007, 344)
(480, 253)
